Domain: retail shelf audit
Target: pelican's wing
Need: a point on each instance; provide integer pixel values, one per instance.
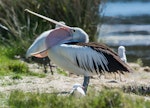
(93, 58)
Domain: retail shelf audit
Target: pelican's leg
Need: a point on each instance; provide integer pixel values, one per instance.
(86, 83)
(45, 70)
(50, 68)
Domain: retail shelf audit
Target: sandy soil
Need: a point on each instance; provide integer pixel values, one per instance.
(61, 83)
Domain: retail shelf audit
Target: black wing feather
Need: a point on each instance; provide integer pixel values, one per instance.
(115, 64)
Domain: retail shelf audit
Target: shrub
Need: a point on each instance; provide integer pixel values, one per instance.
(139, 61)
(18, 67)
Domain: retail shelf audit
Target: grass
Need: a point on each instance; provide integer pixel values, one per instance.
(104, 99)
(14, 67)
(139, 61)
(141, 90)
(61, 71)
(4, 97)
(10, 66)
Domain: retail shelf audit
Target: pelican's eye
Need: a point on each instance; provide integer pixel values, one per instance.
(74, 30)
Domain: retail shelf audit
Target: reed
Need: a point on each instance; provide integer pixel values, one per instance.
(23, 28)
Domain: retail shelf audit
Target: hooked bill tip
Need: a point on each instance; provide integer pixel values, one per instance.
(27, 10)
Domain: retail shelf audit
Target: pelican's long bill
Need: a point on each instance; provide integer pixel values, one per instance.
(46, 18)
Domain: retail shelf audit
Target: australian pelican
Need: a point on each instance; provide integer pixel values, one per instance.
(69, 48)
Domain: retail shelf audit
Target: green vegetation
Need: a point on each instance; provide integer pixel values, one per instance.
(61, 71)
(23, 28)
(142, 90)
(8, 66)
(104, 99)
(4, 100)
(139, 61)
(11, 66)
(16, 76)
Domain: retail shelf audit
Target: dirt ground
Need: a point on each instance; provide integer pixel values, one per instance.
(61, 83)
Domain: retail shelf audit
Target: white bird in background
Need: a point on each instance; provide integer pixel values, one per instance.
(77, 90)
(68, 48)
(122, 53)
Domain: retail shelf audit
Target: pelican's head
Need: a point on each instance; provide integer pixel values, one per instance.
(79, 35)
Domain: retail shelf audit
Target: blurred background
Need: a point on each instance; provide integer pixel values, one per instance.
(127, 22)
(114, 22)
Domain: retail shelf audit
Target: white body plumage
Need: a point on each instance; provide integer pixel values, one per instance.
(67, 56)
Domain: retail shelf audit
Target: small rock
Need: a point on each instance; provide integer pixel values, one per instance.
(146, 69)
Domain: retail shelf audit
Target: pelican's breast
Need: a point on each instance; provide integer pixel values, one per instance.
(62, 56)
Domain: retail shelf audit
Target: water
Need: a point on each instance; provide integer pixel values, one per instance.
(134, 36)
(125, 34)
(127, 8)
